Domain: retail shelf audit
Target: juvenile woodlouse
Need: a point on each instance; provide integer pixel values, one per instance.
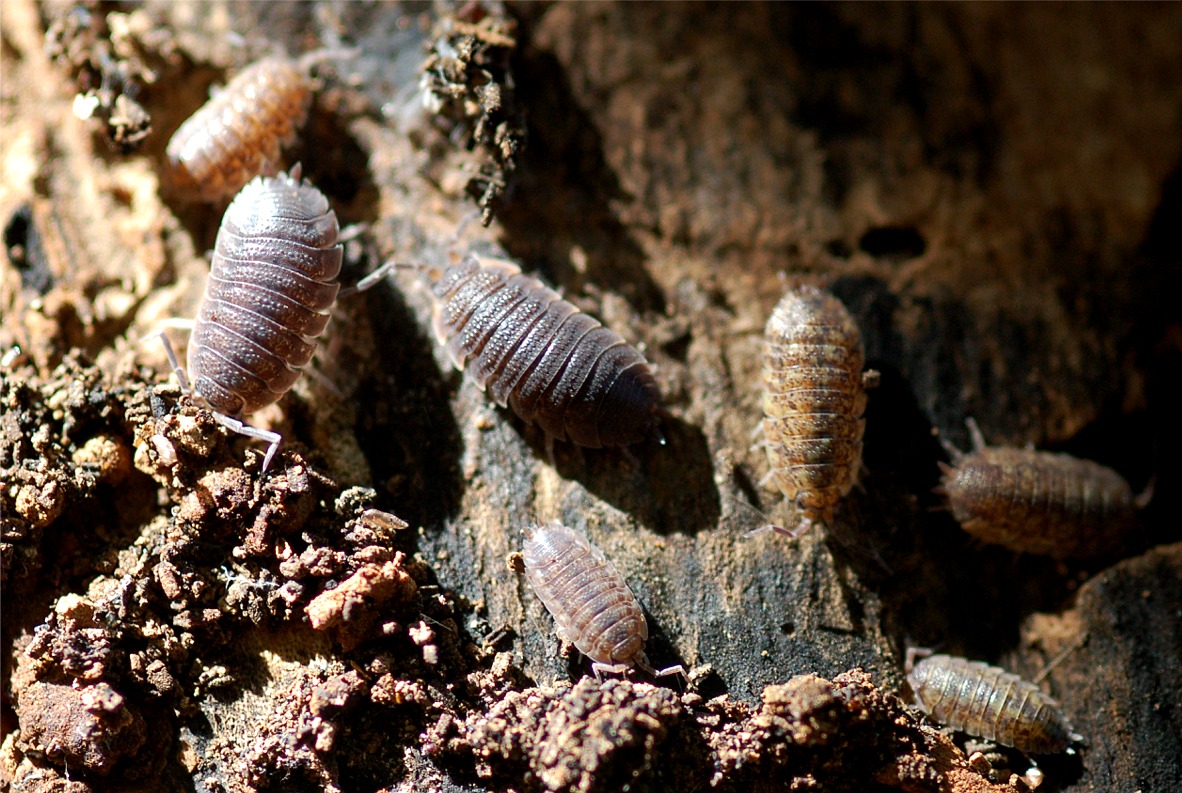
(813, 402)
(1038, 502)
(589, 599)
(241, 130)
(537, 354)
(988, 702)
(271, 287)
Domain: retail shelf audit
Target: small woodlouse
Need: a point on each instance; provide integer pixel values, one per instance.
(271, 287)
(239, 132)
(537, 354)
(1038, 502)
(988, 702)
(589, 600)
(814, 399)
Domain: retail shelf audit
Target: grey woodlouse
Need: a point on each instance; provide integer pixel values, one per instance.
(1038, 502)
(241, 130)
(988, 702)
(589, 600)
(813, 402)
(271, 287)
(537, 354)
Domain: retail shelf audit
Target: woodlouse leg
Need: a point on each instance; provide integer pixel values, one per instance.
(235, 425)
(608, 669)
(668, 671)
(757, 438)
(871, 378)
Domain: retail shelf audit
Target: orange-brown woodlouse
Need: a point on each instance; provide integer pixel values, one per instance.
(537, 354)
(813, 402)
(589, 600)
(240, 131)
(1038, 502)
(987, 702)
(271, 287)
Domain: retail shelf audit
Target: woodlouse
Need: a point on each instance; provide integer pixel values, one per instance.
(813, 402)
(271, 287)
(537, 354)
(589, 600)
(988, 702)
(240, 131)
(1038, 502)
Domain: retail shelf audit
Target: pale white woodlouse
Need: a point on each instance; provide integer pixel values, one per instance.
(240, 132)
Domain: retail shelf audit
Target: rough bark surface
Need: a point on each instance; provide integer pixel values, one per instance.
(994, 192)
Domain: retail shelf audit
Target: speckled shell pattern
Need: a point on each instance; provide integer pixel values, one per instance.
(991, 703)
(241, 131)
(1040, 502)
(537, 354)
(586, 595)
(270, 292)
(813, 400)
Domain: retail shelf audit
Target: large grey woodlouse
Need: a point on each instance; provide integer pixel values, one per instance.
(271, 287)
(988, 702)
(589, 599)
(240, 131)
(813, 402)
(537, 354)
(1038, 502)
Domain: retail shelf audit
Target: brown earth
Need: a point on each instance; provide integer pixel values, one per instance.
(994, 191)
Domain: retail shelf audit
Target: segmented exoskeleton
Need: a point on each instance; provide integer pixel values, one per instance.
(589, 600)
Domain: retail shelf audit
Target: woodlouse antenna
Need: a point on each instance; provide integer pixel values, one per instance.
(1060, 657)
(376, 276)
(174, 364)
